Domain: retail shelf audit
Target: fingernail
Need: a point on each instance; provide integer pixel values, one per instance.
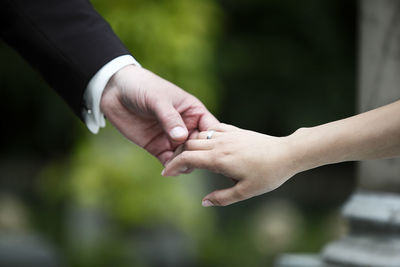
(184, 169)
(207, 203)
(162, 172)
(177, 132)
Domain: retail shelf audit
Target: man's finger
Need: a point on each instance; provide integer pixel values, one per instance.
(207, 121)
(171, 122)
(193, 134)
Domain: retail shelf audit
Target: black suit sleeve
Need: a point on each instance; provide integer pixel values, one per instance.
(67, 41)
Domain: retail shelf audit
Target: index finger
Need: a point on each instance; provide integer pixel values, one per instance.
(186, 160)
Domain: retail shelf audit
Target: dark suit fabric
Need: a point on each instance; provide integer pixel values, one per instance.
(67, 41)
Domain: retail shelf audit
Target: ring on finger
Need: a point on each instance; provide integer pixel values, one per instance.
(210, 134)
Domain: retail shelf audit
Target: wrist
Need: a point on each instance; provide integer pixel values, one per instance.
(115, 87)
(109, 96)
(122, 76)
(305, 150)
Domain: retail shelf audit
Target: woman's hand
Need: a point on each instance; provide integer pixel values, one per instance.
(258, 163)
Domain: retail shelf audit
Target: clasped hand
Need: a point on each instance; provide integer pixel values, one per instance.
(152, 112)
(172, 125)
(257, 163)
(159, 116)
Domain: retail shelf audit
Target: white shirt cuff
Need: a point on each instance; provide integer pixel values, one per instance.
(92, 115)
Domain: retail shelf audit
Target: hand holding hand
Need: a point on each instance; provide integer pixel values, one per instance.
(152, 112)
(258, 163)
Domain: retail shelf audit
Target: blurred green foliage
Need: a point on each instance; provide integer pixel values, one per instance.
(287, 64)
(270, 66)
(107, 174)
(175, 39)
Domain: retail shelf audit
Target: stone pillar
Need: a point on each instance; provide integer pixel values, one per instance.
(373, 211)
(379, 82)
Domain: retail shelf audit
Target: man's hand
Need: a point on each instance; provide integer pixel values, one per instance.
(152, 112)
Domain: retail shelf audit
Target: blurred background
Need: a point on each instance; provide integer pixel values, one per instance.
(70, 198)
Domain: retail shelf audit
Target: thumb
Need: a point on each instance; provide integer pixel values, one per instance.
(223, 197)
(171, 121)
(207, 121)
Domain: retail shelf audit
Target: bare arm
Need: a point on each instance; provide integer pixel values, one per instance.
(371, 135)
(260, 163)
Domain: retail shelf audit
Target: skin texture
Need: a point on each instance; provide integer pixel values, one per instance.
(152, 112)
(260, 163)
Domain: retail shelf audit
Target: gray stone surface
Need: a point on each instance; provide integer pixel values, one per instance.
(374, 207)
(366, 251)
(20, 250)
(299, 260)
(373, 238)
(379, 81)
(374, 217)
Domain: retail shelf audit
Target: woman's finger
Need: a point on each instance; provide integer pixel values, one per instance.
(187, 160)
(195, 144)
(179, 150)
(225, 196)
(198, 144)
(189, 170)
(165, 157)
(210, 134)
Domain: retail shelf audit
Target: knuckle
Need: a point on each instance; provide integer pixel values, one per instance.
(214, 126)
(219, 165)
(240, 192)
(187, 145)
(228, 127)
(168, 116)
(218, 160)
(220, 142)
(184, 157)
(224, 154)
(221, 158)
(213, 156)
(219, 201)
(202, 135)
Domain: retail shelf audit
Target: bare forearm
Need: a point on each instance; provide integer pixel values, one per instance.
(260, 163)
(370, 135)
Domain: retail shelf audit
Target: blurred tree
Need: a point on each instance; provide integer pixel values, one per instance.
(270, 66)
(287, 64)
(106, 173)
